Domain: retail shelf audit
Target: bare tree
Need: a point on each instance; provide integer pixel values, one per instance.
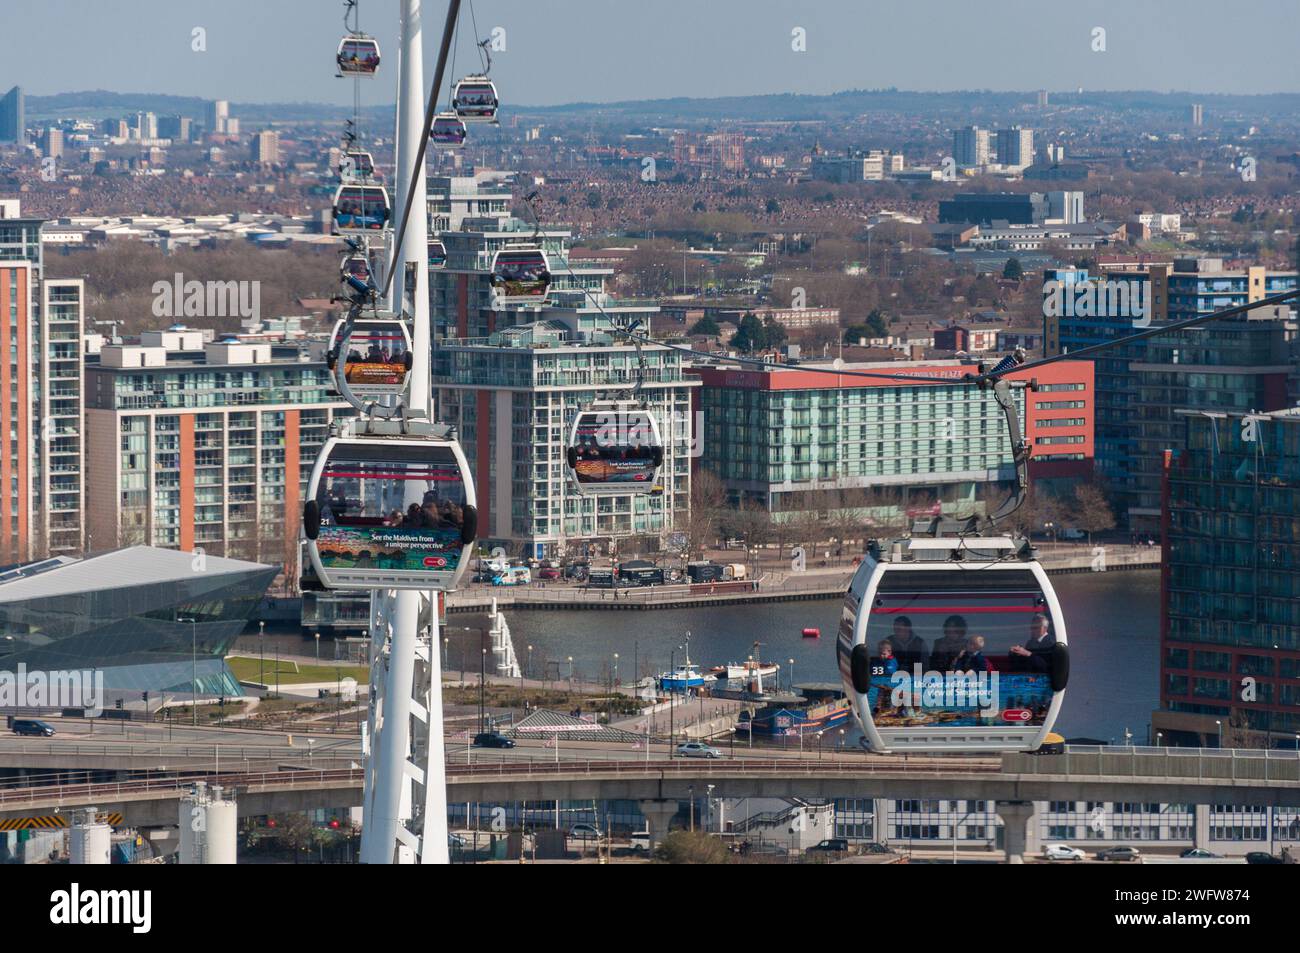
(1238, 733)
(708, 503)
(1091, 511)
(850, 516)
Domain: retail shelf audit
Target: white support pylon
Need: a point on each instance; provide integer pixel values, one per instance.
(406, 766)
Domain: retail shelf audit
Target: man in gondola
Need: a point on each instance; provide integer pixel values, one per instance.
(1034, 655)
(909, 648)
(950, 645)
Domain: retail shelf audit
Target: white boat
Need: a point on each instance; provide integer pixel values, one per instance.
(745, 671)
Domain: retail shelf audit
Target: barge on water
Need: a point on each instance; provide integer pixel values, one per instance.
(812, 708)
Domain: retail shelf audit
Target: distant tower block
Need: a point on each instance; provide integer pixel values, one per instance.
(1042, 97)
(208, 827)
(1197, 114)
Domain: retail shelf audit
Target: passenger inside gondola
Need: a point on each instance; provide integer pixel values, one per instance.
(950, 645)
(971, 658)
(1035, 655)
(909, 648)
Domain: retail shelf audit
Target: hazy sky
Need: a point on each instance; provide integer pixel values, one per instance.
(562, 51)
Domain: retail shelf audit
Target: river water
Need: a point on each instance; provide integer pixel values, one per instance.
(1113, 622)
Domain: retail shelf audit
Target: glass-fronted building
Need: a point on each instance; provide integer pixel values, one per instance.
(799, 440)
(1231, 365)
(151, 620)
(514, 395)
(1230, 639)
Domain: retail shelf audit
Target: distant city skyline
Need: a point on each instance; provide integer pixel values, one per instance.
(608, 52)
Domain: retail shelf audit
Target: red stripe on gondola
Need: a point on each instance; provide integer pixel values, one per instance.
(885, 610)
(372, 475)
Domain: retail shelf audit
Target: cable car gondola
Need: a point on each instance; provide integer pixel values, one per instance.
(357, 266)
(360, 208)
(437, 254)
(520, 276)
(390, 507)
(448, 131)
(953, 641)
(370, 357)
(614, 448)
(953, 644)
(357, 166)
(475, 99)
(358, 56)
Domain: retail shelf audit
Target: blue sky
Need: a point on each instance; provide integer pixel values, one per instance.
(562, 51)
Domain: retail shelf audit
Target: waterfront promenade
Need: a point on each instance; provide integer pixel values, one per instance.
(816, 582)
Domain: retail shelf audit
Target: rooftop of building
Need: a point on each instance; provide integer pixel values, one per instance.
(180, 347)
(561, 331)
(121, 568)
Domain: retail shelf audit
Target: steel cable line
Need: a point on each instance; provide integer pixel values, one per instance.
(430, 110)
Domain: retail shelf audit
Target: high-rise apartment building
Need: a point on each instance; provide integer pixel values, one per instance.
(52, 142)
(471, 217)
(1230, 593)
(41, 416)
(175, 128)
(13, 120)
(1015, 147)
(218, 114)
(1234, 365)
(513, 396)
(970, 147)
(266, 147)
(194, 443)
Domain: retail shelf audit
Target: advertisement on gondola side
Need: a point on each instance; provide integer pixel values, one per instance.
(375, 358)
(391, 514)
(959, 660)
(614, 448)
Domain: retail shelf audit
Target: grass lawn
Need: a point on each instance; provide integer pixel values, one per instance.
(294, 673)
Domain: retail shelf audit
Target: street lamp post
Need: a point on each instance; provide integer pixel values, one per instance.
(261, 653)
(613, 681)
(194, 666)
(1219, 725)
(672, 662)
(791, 661)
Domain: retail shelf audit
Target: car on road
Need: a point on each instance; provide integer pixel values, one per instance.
(1062, 852)
(874, 848)
(833, 845)
(585, 832)
(1195, 852)
(1263, 857)
(30, 726)
(640, 842)
(697, 749)
(1119, 853)
(492, 739)
(548, 572)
